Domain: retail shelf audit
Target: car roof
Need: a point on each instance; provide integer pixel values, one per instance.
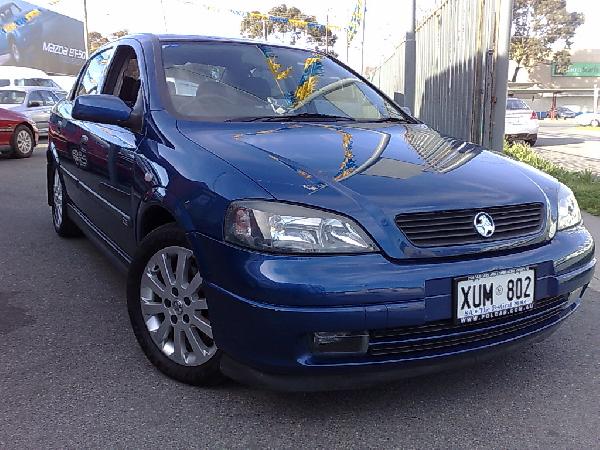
(147, 38)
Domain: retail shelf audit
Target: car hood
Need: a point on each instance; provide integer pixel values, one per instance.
(368, 171)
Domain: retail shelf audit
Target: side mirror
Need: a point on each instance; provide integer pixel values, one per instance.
(101, 108)
(34, 104)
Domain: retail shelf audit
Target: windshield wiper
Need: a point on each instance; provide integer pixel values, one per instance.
(386, 119)
(289, 118)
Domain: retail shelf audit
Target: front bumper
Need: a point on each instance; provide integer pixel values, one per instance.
(265, 308)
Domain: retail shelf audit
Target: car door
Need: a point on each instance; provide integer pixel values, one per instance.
(36, 111)
(66, 135)
(111, 150)
(48, 102)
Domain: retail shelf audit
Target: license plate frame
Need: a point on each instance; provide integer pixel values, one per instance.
(486, 316)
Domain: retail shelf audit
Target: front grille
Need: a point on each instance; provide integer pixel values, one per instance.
(455, 227)
(446, 336)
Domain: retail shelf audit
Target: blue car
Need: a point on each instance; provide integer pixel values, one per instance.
(20, 32)
(285, 224)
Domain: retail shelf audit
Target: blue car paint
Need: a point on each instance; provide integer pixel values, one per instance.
(264, 307)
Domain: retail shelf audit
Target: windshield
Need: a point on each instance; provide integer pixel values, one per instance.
(235, 81)
(12, 97)
(43, 82)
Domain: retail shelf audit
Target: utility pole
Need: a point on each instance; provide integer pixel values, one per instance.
(265, 34)
(410, 60)
(501, 75)
(327, 34)
(164, 14)
(85, 30)
(362, 45)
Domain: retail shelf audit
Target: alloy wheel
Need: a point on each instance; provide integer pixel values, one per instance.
(174, 307)
(24, 142)
(57, 194)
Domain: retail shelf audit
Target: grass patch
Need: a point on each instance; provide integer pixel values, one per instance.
(585, 185)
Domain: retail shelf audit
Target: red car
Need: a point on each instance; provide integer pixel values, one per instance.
(18, 134)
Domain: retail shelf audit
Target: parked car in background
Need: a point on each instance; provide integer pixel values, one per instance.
(33, 102)
(286, 224)
(588, 119)
(18, 134)
(562, 112)
(521, 122)
(65, 82)
(25, 76)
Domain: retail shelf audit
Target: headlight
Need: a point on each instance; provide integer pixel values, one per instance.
(283, 228)
(568, 209)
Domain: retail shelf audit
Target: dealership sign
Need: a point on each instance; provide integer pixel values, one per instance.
(32, 36)
(578, 69)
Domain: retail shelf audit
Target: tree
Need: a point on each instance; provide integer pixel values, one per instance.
(97, 40)
(539, 27)
(256, 27)
(119, 34)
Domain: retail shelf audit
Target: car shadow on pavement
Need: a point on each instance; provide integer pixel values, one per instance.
(557, 141)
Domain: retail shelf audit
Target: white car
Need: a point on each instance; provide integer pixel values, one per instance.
(521, 122)
(586, 119)
(25, 76)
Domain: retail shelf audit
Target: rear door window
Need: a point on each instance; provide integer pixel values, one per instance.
(48, 98)
(35, 96)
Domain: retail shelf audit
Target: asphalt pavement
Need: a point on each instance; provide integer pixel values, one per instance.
(568, 145)
(72, 375)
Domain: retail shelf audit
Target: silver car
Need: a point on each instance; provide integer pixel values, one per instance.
(32, 101)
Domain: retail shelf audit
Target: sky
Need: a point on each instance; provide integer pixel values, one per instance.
(385, 25)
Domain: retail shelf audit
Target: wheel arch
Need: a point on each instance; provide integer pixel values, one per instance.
(152, 215)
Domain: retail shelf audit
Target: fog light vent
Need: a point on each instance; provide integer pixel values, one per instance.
(341, 342)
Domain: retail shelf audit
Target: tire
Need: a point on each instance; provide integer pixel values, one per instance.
(61, 221)
(595, 123)
(168, 309)
(531, 142)
(22, 142)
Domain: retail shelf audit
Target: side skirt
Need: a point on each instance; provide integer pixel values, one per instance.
(121, 259)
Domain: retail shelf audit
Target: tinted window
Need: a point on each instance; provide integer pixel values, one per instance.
(48, 98)
(12, 97)
(4, 82)
(95, 71)
(35, 96)
(41, 82)
(238, 81)
(516, 103)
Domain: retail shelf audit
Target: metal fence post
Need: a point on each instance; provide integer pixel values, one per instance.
(501, 74)
(410, 61)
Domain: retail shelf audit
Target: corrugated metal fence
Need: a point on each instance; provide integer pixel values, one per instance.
(454, 71)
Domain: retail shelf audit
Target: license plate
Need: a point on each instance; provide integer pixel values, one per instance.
(493, 294)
